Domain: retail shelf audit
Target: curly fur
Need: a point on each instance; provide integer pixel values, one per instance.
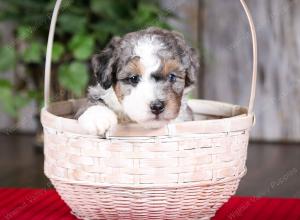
(151, 54)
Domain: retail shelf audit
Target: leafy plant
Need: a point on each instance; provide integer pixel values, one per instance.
(84, 27)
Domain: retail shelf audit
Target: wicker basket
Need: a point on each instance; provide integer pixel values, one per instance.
(181, 171)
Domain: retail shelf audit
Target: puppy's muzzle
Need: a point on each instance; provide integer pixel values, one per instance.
(157, 107)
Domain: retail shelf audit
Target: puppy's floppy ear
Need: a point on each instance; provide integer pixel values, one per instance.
(104, 64)
(193, 70)
(189, 57)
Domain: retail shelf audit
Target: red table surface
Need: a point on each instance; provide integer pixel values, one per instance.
(37, 204)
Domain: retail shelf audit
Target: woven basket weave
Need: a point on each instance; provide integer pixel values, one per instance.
(182, 171)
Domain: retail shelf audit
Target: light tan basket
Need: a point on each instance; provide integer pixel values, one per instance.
(181, 171)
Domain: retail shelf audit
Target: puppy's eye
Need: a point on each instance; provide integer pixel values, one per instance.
(172, 77)
(134, 80)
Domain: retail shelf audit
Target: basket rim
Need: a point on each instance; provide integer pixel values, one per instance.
(149, 185)
(236, 119)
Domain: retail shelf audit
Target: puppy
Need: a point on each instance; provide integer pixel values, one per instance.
(141, 78)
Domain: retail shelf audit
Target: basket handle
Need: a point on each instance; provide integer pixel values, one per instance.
(51, 38)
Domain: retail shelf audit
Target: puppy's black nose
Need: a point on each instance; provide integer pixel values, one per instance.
(157, 107)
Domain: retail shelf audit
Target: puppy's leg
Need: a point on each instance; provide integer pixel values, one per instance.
(97, 119)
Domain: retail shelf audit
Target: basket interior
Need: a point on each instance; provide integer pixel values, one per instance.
(209, 117)
(202, 109)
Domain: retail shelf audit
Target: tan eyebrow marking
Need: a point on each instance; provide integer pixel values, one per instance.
(169, 66)
(135, 66)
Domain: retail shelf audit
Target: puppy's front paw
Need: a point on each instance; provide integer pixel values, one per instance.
(96, 120)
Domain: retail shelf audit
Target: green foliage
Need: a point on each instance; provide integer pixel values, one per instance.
(34, 53)
(57, 51)
(84, 28)
(7, 58)
(71, 23)
(24, 33)
(82, 46)
(73, 76)
(10, 102)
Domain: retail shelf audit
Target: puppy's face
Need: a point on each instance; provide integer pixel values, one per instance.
(149, 72)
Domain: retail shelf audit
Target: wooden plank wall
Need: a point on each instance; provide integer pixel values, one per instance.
(228, 62)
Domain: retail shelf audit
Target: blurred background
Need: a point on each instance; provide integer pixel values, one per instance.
(217, 29)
